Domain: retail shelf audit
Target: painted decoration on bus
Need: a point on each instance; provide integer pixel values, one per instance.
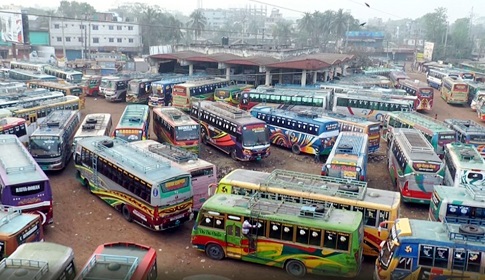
(461, 88)
(307, 143)
(331, 126)
(222, 94)
(175, 185)
(426, 167)
(349, 170)
(256, 127)
(130, 134)
(28, 232)
(369, 114)
(219, 137)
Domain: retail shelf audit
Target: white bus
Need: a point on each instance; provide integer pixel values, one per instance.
(98, 124)
(464, 165)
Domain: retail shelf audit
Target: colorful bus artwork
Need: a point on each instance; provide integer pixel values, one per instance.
(454, 91)
(419, 249)
(469, 132)
(134, 123)
(297, 237)
(139, 90)
(133, 262)
(90, 85)
(376, 205)
(203, 173)
(300, 132)
(183, 94)
(413, 165)
(348, 158)
(464, 165)
(174, 126)
(422, 91)
(231, 94)
(144, 187)
(232, 130)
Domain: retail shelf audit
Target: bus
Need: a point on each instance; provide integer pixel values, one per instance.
(413, 165)
(183, 94)
(373, 108)
(202, 173)
(28, 99)
(460, 205)
(66, 74)
(5, 113)
(422, 91)
(434, 77)
(97, 124)
(469, 132)
(65, 88)
(134, 123)
(132, 262)
(139, 90)
(231, 94)
(23, 183)
(454, 91)
(377, 205)
(90, 85)
(25, 65)
(51, 143)
(17, 228)
(162, 90)
(476, 92)
(40, 261)
(145, 188)
(232, 130)
(115, 88)
(173, 126)
(301, 132)
(437, 132)
(298, 237)
(419, 249)
(27, 75)
(17, 127)
(464, 165)
(397, 77)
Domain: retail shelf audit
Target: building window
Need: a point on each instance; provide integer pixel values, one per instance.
(130, 40)
(118, 27)
(56, 26)
(59, 39)
(68, 39)
(111, 40)
(111, 27)
(95, 40)
(80, 39)
(118, 40)
(81, 26)
(130, 27)
(95, 27)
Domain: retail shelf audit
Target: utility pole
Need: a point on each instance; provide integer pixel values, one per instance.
(63, 41)
(446, 40)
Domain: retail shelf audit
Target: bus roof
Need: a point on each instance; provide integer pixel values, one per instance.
(174, 116)
(415, 145)
(234, 114)
(309, 117)
(93, 125)
(54, 122)
(16, 163)
(133, 116)
(347, 118)
(144, 164)
(351, 143)
(198, 83)
(465, 155)
(466, 126)
(61, 85)
(418, 119)
(465, 195)
(12, 220)
(415, 83)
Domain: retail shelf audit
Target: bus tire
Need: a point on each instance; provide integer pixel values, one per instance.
(471, 229)
(295, 149)
(96, 93)
(204, 138)
(349, 188)
(126, 213)
(214, 252)
(107, 143)
(234, 154)
(86, 182)
(295, 268)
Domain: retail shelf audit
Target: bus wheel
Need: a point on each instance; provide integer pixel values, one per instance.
(295, 149)
(295, 268)
(234, 154)
(471, 229)
(204, 138)
(126, 213)
(214, 252)
(86, 183)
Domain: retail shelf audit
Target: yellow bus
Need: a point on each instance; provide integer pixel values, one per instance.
(377, 205)
(454, 91)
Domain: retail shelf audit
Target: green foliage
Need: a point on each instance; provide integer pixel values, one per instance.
(197, 22)
(74, 9)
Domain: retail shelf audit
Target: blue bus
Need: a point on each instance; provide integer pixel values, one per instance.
(469, 132)
(301, 131)
(348, 158)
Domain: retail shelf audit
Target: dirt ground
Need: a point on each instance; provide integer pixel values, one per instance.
(82, 221)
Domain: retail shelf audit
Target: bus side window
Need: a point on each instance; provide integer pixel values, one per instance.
(275, 230)
(343, 241)
(426, 254)
(370, 217)
(330, 239)
(474, 261)
(459, 260)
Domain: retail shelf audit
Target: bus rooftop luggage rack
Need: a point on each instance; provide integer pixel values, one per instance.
(172, 152)
(465, 232)
(350, 144)
(94, 122)
(419, 118)
(315, 184)
(117, 267)
(415, 141)
(467, 152)
(8, 213)
(56, 118)
(13, 164)
(476, 192)
(226, 110)
(20, 268)
(466, 125)
(175, 114)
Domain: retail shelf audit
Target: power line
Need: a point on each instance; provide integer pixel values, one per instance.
(361, 3)
(277, 6)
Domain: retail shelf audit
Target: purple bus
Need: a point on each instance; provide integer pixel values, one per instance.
(23, 183)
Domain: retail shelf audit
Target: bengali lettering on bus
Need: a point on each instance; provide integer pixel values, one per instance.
(426, 167)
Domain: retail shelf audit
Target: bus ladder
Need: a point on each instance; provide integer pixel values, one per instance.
(10, 214)
(172, 152)
(226, 110)
(94, 160)
(314, 184)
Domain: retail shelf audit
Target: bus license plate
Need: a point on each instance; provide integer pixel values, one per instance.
(177, 217)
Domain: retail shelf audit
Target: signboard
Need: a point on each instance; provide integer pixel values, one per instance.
(11, 28)
(428, 51)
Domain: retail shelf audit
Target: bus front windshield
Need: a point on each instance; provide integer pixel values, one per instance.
(45, 146)
(133, 87)
(76, 78)
(426, 92)
(255, 135)
(187, 132)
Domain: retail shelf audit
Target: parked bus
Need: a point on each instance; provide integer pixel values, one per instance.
(297, 237)
(231, 94)
(28, 99)
(139, 90)
(301, 132)
(115, 88)
(132, 261)
(134, 123)
(17, 228)
(97, 124)
(476, 92)
(15, 126)
(182, 94)
(162, 90)
(27, 75)
(4, 113)
(39, 261)
(434, 78)
(90, 85)
(397, 77)
(413, 165)
(173, 126)
(464, 165)
(459, 205)
(144, 187)
(23, 183)
(232, 130)
(202, 173)
(421, 90)
(67, 74)
(376, 205)
(454, 91)
(418, 249)
(435, 131)
(65, 88)
(348, 158)
(469, 132)
(51, 143)
(27, 65)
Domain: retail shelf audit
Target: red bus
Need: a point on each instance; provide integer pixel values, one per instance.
(396, 77)
(90, 85)
(421, 90)
(132, 261)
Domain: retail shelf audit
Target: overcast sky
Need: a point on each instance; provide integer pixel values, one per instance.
(385, 9)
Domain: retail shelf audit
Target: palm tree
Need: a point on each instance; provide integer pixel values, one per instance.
(197, 22)
(150, 32)
(341, 23)
(175, 31)
(282, 32)
(306, 25)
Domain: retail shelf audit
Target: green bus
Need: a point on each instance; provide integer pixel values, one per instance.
(309, 237)
(231, 94)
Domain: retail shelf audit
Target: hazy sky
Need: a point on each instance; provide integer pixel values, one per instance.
(385, 9)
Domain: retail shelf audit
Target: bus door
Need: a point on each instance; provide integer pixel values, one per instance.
(234, 238)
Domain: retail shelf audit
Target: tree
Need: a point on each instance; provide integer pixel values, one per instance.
(282, 31)
(197, 22)
(74, 9)
(459, 38)
(150, 19)
(306, 27)
(436, 26)
(175, 31)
